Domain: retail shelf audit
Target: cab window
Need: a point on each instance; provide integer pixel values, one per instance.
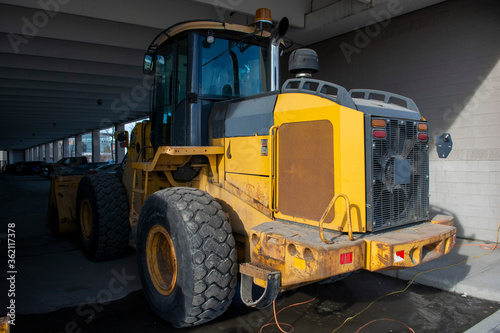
(232, 68)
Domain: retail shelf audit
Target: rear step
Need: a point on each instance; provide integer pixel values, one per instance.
(270, 277)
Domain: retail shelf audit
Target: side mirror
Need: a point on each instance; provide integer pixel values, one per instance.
(148, 64)
(122, 138)
(444, 144)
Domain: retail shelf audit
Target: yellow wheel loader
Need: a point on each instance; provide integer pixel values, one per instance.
(287, 184)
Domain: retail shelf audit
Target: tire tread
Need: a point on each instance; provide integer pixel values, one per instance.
(112, 213)
(212, 252)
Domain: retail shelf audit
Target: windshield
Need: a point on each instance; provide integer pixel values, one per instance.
(231, 68)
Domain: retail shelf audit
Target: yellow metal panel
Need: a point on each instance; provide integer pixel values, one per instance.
(209, 25)
(242, 215)
(443, 219)
(63, 195)
(194, 150)
(408, 247)
(352, 166)
(244, 155)
(299, 254)
(253, 188)
(349, 153)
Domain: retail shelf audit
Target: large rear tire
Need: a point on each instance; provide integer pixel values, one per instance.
(102, 211)
(186, 256)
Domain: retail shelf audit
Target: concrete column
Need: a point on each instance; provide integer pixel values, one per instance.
(57, 153)
(66, 148)
(54, 151)
(47, 153)
(120, 151)
(17, 155)
(78, 145)
(96, 146)
(3, 158)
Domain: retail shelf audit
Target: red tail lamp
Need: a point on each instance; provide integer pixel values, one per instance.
(423, 136)
(379, 134)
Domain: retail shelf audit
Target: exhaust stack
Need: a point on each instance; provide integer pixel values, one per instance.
(274, 53)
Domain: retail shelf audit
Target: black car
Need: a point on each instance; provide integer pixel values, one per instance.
(66, 165)
(29, 168)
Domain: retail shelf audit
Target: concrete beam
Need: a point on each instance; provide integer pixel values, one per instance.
(346, 15)
(72, 57)
(294, 10)
(157, 13)
(23, 23)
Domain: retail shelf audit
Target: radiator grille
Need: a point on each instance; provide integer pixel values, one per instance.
(399, 176)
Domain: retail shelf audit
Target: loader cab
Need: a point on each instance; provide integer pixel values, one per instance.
(194, 69)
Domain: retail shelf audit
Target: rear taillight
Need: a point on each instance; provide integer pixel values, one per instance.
(379, 134)
(379, 122)
(422, 132)
(379, 128)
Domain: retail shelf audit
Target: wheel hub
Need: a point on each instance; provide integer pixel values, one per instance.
(86, 219)
(161, 260)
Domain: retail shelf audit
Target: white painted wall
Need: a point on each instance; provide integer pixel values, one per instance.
(447, 58)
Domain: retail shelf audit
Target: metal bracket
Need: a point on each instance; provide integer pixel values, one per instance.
(444, 144)
(272, 278)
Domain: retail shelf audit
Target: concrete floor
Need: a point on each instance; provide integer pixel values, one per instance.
(58, 290)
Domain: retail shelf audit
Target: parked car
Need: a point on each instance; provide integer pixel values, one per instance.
(42, 169)
(18, 167)
(29, 168)
(106, 168)
(66, 165)
(9, 168)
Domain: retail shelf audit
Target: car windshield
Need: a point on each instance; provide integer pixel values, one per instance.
(232, 68)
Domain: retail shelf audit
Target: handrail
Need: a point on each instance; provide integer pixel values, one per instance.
(272, 180)
(325, 214)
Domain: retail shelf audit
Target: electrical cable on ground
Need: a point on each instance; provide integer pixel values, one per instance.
(286, 307)
(384, 319)
(483, 246)
(413, 280)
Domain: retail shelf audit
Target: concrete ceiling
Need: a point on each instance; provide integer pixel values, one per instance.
(71, 66)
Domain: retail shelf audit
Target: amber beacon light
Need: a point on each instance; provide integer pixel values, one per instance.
(263, 15)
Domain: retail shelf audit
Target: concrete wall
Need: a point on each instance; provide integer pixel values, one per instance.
(17, 155)
(445, 57)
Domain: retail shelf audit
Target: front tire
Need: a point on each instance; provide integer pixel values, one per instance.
(186, 256)
(102, 211)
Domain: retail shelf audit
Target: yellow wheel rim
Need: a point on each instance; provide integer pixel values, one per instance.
(161, 260)
(86, 219)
